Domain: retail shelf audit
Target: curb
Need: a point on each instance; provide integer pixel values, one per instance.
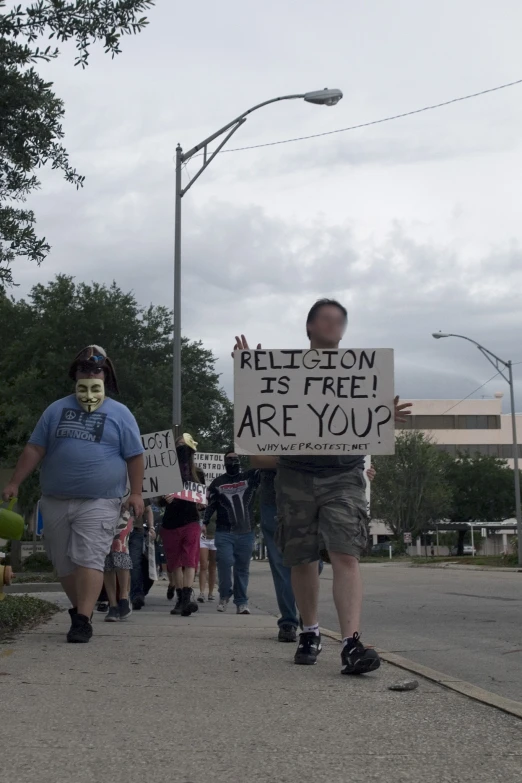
(510, 706)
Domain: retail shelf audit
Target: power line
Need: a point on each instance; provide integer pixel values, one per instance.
(375, 122)
(473, 392)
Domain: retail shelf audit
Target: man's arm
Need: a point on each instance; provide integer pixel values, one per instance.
(136, 470)
(264, 463)
(212, 503)
(29, 459)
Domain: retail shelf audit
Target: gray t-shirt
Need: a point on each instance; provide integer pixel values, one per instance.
(323, 466)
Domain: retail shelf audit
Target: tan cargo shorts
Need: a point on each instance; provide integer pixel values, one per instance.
(317, 513)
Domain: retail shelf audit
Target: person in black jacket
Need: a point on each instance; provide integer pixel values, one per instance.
(181, 531)
(232, 497)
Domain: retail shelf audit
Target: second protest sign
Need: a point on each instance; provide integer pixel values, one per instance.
(329, 402)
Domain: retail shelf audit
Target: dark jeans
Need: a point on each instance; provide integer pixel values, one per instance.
(136, 554)
(281, 574)
(234, 551)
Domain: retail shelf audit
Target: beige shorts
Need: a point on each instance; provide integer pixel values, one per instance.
(78, 531)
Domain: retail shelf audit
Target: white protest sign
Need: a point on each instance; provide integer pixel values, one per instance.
(212, 465)
(193, 492)
(328, 402)
(162, 474)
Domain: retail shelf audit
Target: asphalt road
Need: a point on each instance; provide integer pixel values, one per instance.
(467, 624)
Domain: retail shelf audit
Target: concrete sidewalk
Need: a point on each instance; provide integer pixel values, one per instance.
(216, 698)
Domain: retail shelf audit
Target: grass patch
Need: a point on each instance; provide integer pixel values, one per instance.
(494, 561)
(20, 612)
(20, 578)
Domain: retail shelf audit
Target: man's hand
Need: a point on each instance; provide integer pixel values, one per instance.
(136, 503)
(371, 472)
(242, 345)
(10, 491)
(401, 414)
(152, 534)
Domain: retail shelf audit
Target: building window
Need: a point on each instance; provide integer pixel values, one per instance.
(478, 422)
(450, 422)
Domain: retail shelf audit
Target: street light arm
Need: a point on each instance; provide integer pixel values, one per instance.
(238, 121)
(492, 358)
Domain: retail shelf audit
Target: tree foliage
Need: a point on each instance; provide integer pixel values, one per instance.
(411, 489)
(31, 114)
(42, 335)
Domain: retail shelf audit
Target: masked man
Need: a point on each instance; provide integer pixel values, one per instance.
(232, 496)
(87, 443)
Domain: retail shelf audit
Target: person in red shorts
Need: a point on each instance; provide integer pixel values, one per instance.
(181, 531)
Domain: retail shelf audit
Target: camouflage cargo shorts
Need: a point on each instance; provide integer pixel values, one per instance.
(317, 513)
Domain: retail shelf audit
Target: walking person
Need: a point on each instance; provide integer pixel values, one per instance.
(118, 567)
(86, 443)
(232, 497)
(321, 505)
(207, 561)
(181, 531)
(142, 525)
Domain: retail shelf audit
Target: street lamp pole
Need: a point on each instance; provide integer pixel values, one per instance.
(319, 97)
(501, 365)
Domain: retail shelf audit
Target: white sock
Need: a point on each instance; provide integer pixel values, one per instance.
(311, 629)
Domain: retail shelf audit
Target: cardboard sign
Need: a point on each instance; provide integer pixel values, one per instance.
(212, 465)
(325, 403)
(161, 464)
(193, 492)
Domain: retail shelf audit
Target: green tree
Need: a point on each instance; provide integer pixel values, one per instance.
(411, 489)
(42, 335)
(483, 491)
(31, 114)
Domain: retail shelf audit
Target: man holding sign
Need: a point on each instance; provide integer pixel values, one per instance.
(320, 484)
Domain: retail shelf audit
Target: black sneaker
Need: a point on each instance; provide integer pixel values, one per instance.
(138, 603)
(287, 633)
(308, 649)
(170, 593)
(80, 631)
(358, 659)
(124, 609)
(101, 606)
(112, 615)
(177, 605)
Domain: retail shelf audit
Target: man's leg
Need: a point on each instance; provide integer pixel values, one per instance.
(225, 561)
(281, 574)
(342, 526)
(177, 573)
(188, 577)
(57, 534)
(68, 584)
(243, 544)
(89, 582)
(347, 592)
(136, 554)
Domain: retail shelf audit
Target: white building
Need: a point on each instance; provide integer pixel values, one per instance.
(472, 426)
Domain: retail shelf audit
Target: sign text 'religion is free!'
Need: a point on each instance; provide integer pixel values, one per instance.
(310, 401)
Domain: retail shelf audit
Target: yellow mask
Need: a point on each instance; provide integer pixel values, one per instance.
(90, 393)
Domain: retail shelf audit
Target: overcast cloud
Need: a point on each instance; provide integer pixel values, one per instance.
(414, 224)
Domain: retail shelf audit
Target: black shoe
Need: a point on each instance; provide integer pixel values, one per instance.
(170, 593)
(188, 605)
(177, 606)
(81, 629)
(287, 633)
(358, 659)
(101, 606)
(112, 615)
(308, 649)
(124, 609)
(138, 603)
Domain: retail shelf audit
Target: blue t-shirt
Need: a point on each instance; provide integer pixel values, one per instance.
(85, 453)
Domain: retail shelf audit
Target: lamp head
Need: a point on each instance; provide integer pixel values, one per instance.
(439, 335)
(324, 97)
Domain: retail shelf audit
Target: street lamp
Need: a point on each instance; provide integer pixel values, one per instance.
(501, 366)
(324, 97)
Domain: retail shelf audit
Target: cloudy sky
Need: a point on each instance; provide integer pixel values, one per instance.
(413, 224)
